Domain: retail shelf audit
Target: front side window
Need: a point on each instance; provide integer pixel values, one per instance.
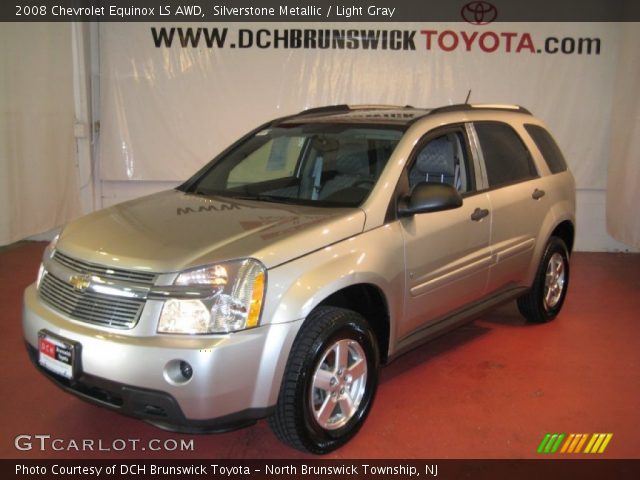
(505, 156)
(313, 164)
(443, 159)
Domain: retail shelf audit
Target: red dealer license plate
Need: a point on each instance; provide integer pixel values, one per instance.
(57, 354)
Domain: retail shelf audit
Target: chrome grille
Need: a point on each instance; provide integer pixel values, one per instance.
(144, 278)
(90, 307)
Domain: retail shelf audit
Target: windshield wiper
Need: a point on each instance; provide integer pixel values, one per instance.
(266, 198)
(258, 197)
(209, 193)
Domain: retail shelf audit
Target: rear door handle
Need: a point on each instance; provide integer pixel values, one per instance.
(537, 194)
(479, 213)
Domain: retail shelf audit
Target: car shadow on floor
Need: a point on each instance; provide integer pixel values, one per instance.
(433, 349)
(505, 316)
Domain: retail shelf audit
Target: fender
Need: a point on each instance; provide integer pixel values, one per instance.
(374, 257)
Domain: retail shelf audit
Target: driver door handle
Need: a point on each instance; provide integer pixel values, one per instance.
(479, 213)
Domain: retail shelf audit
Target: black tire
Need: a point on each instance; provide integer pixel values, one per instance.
(294, 421)
(542, 303)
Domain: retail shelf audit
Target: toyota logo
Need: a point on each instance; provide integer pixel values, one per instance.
(479, 12)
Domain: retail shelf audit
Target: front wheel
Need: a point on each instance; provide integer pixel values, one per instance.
(329, 382)
(543, 302)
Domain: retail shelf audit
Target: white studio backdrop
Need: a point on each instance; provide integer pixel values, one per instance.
(169, 108)
(623, 188)
(166, 111)
(38, 183)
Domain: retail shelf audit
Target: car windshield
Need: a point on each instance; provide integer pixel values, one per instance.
(312, 164)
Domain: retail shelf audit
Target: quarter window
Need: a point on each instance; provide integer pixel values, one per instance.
(548, 148)
(505, 156)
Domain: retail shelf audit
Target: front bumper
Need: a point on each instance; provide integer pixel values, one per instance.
(155, 407)
(236, 377)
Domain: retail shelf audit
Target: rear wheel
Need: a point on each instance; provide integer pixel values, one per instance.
(329, 383)
(543, 302)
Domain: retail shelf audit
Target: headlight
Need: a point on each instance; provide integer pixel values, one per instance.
(232, 292)
(48, 253)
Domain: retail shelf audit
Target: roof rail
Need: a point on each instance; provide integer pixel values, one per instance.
(327, 109)
(378, 107)
(467, 107)
(343, 108)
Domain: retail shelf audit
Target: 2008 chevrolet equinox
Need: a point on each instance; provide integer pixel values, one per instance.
(279, 278)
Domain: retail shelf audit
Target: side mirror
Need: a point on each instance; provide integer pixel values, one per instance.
(429, 197)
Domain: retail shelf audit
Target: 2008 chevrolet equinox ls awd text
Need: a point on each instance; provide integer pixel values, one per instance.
(278, 279)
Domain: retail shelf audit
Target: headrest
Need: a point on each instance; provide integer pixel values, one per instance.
(437, 157)
(352, 159)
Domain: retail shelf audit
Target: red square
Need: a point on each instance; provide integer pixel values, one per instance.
(47, 348)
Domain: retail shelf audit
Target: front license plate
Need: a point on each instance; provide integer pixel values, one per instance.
(57, 354)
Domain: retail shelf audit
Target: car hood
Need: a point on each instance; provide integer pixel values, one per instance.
(171, 231)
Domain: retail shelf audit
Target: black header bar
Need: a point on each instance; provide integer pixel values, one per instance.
(477, 12)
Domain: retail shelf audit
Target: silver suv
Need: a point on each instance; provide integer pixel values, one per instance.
(277, 280)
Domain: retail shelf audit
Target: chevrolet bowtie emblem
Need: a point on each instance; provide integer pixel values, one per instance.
(80, 282)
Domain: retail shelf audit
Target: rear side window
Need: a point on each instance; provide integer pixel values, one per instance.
(505, 155)
(548, 147)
